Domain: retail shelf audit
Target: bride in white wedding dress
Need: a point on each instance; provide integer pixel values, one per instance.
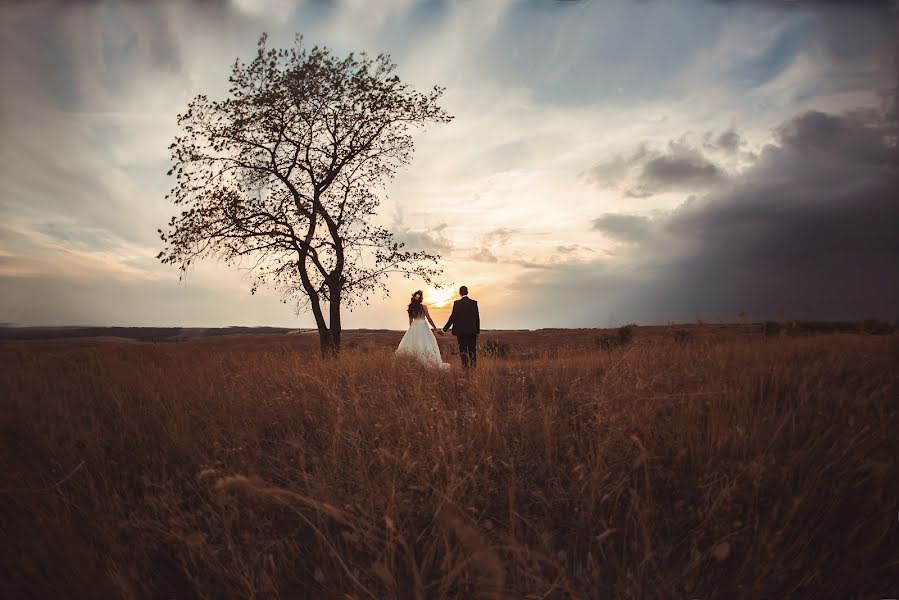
(419, 342)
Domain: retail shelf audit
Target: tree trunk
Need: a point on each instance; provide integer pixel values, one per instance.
(335, 321)
(324, 334)
(326, 340)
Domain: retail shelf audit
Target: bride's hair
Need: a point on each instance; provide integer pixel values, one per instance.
(415, 309)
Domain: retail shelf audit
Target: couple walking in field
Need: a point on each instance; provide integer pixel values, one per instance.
(420, 343)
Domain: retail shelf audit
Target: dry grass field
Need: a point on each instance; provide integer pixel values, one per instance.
(715, 463)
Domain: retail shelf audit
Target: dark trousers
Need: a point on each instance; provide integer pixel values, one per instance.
(468, 350)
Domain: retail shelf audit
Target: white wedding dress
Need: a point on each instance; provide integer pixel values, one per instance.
(419, 343)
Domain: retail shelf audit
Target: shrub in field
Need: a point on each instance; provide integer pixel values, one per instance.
(822, 327)
(772, 328)
(626, 333)
(876, 327)
(610, 341)
(607, 341)
(682, 336)
(496, 349)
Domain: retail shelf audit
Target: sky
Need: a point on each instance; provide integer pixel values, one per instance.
(609, 162)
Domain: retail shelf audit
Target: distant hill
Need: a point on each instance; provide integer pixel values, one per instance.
(176, 334)
(145, 334)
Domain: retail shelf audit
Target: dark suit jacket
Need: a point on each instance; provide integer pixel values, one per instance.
(465, 319)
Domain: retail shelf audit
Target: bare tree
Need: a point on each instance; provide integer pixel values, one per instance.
(285, 173)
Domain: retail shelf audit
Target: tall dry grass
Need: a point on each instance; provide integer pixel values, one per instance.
(737, 468)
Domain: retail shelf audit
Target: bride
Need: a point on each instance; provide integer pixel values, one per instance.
(419, 341)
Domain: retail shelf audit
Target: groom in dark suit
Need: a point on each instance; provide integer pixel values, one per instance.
(466, 323)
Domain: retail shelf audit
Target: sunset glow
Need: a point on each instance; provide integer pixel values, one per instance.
(442, 298)
(603, 166)
(236, 358)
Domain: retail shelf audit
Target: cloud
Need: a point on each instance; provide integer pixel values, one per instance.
(88, 101)
(484, 255)
(728, 141)
(72, 254)
(531, 264)
(611, 172)
(571, 249)
(624, 228)
(430, 240)
(54, 300)
(809, 231)
(819, 136)
(679, 167)
(540, 91)
(500, 235)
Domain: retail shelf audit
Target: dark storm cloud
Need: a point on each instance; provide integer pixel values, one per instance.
(679, 167)
(89, 93)
(728, 141)
(811, 230)
(817, 135)
(682, 167)
(611, 172)
(625, 228)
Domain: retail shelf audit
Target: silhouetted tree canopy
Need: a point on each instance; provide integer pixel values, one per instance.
(286, 171)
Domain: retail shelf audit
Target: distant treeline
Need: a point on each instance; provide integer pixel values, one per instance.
(872, 326)
(144, 334)
(174, 334)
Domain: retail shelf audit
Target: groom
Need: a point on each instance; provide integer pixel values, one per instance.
(466, 324)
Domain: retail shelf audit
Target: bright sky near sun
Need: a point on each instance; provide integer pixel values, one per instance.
(608, 161)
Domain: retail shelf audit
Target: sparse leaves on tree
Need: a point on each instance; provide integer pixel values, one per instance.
(286, 173)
